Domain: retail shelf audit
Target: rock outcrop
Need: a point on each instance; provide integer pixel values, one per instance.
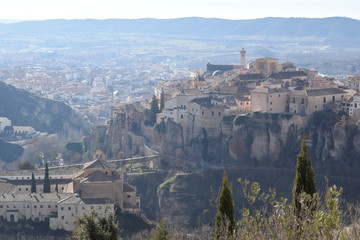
(44, 115)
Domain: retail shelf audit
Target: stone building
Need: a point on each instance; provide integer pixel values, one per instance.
(354, 109)
(96, 187)
(308, 101)
(265, 66)
(270, 100)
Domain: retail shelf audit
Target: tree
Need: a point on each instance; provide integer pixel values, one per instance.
(46, 180)
(26, 165)
(161, 232)
(162, 100)
(304, 181)
(154, 105)
(33, 183)
(224, 221)
(95, 226)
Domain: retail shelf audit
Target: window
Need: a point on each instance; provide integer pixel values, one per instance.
(324, 100)
(315, 106)
(26, 189)
(41, 206)
(69, 208)
(302, 101)
(279, 95)
(219, 114)
(129, 196)
(333, 99)
(355, 105)
(182, 116)
(270, 103)
(293, 100)
(62, 217)
(202, 112)
(270, 95)
(19, 189)
(35, 206)
(62, 208)
(1, 206)
(212, 113)
(49, 206)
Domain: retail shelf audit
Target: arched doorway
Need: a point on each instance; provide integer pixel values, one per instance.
(12, 218)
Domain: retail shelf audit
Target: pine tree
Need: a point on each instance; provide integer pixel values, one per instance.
(96, 226)
(304, 181)
(46, 180)
(225, 213)
(162, 100)
(33, 184)
(161, 232)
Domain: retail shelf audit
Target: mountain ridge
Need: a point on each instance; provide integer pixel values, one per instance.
(196, 26)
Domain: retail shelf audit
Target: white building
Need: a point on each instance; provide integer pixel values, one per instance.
(4, 122)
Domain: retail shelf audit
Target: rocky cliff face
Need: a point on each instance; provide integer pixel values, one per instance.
(265, 140)
(26, 109)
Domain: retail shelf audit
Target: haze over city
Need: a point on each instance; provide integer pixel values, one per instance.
(131, 9)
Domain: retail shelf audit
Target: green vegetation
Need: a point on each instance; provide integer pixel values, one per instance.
(33, 183)
(46, 180)
(161, 232)
(225, 223)
(95, 226)
(304, 181)
(275, 219)
(26, 165)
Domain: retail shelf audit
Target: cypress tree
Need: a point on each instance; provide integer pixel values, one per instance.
(33, 183)
(225, 213)
(154, 105)
(46, 180)
(304, 181)
(162, 100)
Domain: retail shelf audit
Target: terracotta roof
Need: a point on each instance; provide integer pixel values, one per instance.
(244, 77)
(97, 164)
(323, 91)
(76, 199)
(98, 177)
(288, 75)
(32, 197)
(129, 188)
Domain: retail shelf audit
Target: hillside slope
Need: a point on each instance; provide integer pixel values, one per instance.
(25, 109)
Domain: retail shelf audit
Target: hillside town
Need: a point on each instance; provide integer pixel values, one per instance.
(264, 86)
(198, 103)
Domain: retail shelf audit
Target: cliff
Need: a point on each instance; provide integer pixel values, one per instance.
(265, 140)
(45, 115)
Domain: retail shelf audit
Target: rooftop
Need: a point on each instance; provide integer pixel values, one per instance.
(323, 91)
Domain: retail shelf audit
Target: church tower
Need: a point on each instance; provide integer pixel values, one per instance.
(243, 61)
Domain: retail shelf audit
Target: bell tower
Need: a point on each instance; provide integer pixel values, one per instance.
(243, 61)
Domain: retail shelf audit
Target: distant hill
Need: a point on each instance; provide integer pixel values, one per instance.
(25, 109)
(199, 27)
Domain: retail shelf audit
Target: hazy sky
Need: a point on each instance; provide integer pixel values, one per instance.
(229, 9)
